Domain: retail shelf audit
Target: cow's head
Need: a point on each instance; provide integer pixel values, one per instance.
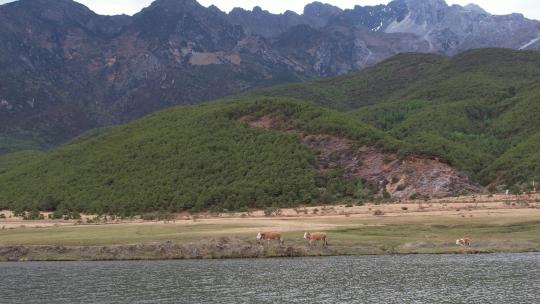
(458, 242)
(259, 236)
(306, 235)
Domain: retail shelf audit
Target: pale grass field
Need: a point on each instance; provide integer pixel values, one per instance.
(490, 222)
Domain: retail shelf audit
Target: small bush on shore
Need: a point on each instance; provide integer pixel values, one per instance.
(33, 215)
(73, 215)
(378, 212)
(158, 216)
(19, 212)
(272, 211)
(417, 196)
(57, 215)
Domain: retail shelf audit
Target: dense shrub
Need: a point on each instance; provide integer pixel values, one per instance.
(190, 158)
(33, 215)
(272, 211)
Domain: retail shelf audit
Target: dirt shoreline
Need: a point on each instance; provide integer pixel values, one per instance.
(210, 250)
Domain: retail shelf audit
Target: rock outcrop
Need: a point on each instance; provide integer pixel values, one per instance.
(402, 177)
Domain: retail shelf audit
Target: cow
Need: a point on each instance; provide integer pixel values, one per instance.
(316, 236)
(269, 236)
(465, 242)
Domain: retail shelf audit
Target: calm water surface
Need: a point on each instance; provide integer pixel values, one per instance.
(511, 278)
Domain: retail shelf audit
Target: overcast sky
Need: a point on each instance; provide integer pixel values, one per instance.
(530, 8)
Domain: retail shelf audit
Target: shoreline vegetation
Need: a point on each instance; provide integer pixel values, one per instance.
(496, 224)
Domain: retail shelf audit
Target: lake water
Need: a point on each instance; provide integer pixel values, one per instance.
(501, 278)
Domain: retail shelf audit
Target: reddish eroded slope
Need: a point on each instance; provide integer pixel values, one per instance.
(402, 177)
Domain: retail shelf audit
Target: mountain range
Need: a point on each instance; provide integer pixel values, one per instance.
(66, 70)
(412, 126)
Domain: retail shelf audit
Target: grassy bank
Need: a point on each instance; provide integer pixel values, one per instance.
(493, 230)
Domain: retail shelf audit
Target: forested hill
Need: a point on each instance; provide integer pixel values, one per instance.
(252, 153)
(479, 110)
(186, 158)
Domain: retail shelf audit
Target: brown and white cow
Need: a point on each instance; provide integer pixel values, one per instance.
(465, 242)
(269, 236)
(316, 236)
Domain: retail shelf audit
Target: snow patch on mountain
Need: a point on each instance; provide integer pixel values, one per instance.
(528, 44)
(407, 25)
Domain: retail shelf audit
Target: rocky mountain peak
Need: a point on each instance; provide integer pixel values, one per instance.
(59, 16)
(262, 22)
(426, 10)
(175, 6)
(321, 9)
(258, 10)
(425, 4)
(475, 8)
(52, 10)
(56, 4)
(318, 14)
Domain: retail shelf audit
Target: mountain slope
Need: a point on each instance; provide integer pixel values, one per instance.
(518, 164)
(469, 109)
(66, 70)
(250, 153)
